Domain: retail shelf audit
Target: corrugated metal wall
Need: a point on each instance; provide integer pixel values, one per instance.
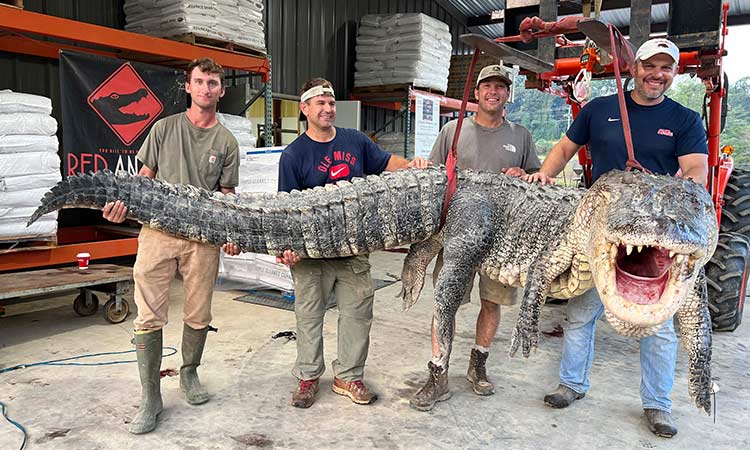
(316, 38)
(35, 75)
(305, 38)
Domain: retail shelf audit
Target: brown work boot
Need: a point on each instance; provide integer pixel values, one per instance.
(304, 396)
(660, 423)
(477, 374)
(562, 397)
(355, 390)
(434, 390)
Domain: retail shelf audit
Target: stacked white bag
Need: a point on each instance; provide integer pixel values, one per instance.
(236, 21)
(259, 172)
(29, 164)
(403, 48)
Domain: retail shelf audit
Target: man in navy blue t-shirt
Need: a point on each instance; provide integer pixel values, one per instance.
(327, 154)
(667, 139)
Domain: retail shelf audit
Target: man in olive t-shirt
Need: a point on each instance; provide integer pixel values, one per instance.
(187, 148)
(487, 143)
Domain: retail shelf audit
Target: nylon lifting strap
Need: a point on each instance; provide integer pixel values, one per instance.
(617, 42)
(450, 162)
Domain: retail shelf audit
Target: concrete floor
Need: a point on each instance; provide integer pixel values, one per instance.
(248, 376)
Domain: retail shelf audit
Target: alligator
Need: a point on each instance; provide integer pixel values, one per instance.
(111, 107)
(640, 239)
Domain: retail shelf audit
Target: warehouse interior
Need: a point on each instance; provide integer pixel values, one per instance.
(68, 366)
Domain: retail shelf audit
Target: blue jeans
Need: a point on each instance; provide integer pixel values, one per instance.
(658, 353)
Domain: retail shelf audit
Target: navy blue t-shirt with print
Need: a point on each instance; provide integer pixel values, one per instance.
(306, 163)
(661, 133)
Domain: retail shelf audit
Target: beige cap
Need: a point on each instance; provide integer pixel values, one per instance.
(495, 70)
(655, 46)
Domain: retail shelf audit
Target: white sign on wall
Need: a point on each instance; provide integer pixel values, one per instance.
(426, 124)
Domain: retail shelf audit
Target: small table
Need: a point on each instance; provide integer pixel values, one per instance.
(115, 281)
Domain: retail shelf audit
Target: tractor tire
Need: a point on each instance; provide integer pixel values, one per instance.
(735, 215)
(726, 277)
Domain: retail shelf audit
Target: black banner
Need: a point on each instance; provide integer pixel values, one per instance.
(108, 107)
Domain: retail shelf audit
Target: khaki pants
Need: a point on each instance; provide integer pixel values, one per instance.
(489, 289)
(159, 258)
(314, 281)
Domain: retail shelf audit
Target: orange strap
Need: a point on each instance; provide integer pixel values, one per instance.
(450, 162)
(617, 42)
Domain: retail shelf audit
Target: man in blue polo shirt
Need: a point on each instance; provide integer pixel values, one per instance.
(327, 154)
(667, 139)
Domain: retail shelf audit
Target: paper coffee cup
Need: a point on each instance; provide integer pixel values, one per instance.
(83, 260)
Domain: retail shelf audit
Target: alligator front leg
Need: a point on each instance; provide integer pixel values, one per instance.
(695, 333)
(415, 268)
(548, 266)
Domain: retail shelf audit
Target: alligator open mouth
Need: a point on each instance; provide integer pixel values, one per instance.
(650, 282)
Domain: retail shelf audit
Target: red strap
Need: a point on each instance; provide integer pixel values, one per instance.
(631, 163)
(450, 162)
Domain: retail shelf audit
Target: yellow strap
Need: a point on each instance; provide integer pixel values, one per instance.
(597, 8)
(586, 8)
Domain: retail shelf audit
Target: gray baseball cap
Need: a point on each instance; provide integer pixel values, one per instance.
(495, 70)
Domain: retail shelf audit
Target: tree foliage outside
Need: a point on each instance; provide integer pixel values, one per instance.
(548, 116)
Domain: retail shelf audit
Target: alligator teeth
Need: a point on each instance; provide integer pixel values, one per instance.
(613, 252)
(679, 259)
(628, 249)
(639, 248)
(671, 254)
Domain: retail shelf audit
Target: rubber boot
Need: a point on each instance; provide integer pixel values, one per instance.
(434, 390)
(148, 350)
(477, 373)
(193, 342)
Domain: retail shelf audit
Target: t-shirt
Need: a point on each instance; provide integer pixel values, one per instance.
(661, 133)
(306, 163)
(487, 149)
(182, 153)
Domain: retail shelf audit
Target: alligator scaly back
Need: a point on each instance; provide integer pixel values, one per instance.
(349, 218)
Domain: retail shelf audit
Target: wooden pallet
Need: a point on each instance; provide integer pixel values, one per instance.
(23, 243)
(459, 70)
(214, 43)
(12, 3)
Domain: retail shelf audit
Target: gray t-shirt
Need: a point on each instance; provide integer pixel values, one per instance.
(182, 153)
(487, 149)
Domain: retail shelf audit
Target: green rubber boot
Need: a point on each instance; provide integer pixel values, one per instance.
(193, 342)
(148, 350)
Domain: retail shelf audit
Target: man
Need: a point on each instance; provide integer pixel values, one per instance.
(487, 143)
(327, 154)
(667, 138)
(186, 148)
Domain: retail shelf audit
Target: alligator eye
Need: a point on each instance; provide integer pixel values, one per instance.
(114, 96)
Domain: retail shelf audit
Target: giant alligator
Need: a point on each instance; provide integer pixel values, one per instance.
(640, 239)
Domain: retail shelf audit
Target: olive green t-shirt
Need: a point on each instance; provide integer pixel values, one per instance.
(487, 149)
(182, 153)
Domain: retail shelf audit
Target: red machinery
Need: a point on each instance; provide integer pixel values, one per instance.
(727, 272)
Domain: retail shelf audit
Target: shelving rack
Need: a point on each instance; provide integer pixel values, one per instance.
(27, 32)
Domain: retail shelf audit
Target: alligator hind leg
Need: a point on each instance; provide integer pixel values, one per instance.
(415, 268)
(469, 233)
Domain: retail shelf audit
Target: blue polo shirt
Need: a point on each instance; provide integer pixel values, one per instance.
(661, 133)
(306, 163)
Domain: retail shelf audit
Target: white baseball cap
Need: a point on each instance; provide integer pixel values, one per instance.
(655, 46)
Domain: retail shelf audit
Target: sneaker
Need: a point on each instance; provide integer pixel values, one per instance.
(304, 396)
(434, 390)
(660, 423)
(562, 397)
(477, 374)
(355, 390)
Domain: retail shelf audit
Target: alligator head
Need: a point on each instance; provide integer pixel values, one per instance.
(111, 107)
(648, 237)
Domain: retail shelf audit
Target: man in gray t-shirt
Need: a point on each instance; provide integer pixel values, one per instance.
(487, 143)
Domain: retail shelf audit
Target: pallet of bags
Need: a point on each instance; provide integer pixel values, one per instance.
(210, 22)
(29, 165)
(403, 49)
